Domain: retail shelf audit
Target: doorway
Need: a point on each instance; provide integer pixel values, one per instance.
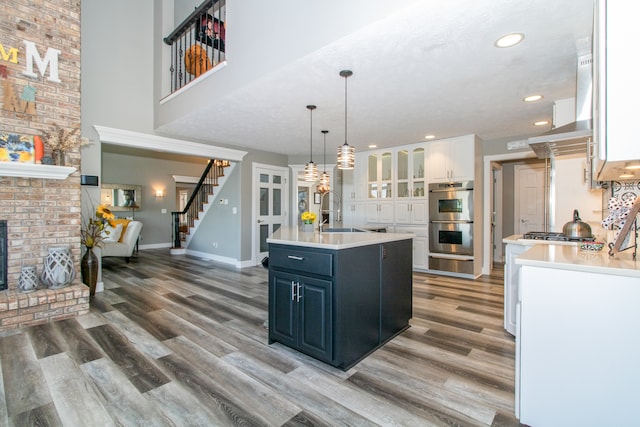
(503, 216)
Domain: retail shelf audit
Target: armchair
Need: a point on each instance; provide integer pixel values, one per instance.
(125, 245)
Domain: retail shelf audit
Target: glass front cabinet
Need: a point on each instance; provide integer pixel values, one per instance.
(410, 174)
(410, 185)
(379, 178)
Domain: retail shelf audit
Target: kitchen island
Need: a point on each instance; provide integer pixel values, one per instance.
(338, 296)
(577, 341)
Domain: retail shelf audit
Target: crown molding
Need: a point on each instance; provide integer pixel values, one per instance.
(169, 145)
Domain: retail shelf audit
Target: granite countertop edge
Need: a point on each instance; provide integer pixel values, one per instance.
(333, 240)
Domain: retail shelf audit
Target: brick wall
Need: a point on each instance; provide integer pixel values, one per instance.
(40, 213)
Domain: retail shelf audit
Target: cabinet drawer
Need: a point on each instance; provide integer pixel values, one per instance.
(298, 260)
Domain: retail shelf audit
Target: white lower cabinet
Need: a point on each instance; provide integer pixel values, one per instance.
(577, 346)
(420, 246)
(511, 280)
(379, 212)
(411, 212)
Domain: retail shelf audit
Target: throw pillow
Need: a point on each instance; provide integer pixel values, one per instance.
(124, 222)
(112, 234)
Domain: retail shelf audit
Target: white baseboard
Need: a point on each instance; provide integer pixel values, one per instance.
(155, 246)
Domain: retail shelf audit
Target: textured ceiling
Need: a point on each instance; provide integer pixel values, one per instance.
(430, 68)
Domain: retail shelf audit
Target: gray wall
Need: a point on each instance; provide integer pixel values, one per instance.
(220, 230)
(150, 173)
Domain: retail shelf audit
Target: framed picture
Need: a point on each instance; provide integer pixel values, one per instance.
(316, 198)
(17, 148)
(211, 31)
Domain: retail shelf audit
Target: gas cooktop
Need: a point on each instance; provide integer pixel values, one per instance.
(555, 236)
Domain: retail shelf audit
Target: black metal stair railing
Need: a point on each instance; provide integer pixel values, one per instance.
(198, 43)
(184, 220)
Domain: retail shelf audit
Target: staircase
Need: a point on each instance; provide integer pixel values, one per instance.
(187, 221)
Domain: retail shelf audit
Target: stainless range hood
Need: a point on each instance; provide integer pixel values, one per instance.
(573, 137)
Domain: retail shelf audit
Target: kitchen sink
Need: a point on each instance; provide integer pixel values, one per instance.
(343, 230)
(355, 230)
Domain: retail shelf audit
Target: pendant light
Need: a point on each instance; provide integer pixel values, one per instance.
(346, 153)
(310, 169)
(325, 179)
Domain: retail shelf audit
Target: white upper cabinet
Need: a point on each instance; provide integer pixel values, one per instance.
(379, 174)
(410, 172)
(616, 128)
(410, 185)
(353, 181)
(452, 159)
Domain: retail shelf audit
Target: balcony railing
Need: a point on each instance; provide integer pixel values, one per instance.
(198, 44)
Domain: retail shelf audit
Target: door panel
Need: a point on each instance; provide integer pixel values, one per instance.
(529, 206)
(316, 318)
(284, 308)
(270, 212)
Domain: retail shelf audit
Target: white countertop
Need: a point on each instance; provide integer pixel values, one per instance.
(565, 257)
(517, 239)
(333, 240)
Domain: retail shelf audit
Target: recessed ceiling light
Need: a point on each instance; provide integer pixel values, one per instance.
(429, 136)
(541, 123)
(532, 98)
(509, 40)
(372, 145)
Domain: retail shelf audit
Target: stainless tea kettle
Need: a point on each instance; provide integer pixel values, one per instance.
(577, 229)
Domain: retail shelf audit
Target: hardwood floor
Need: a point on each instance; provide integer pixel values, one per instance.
(181, 341)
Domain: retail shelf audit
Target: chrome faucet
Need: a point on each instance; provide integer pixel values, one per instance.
(338, 211)
(320, 226)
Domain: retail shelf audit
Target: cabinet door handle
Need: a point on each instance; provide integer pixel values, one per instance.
(299, 293)
(293, 290)
(297, 258)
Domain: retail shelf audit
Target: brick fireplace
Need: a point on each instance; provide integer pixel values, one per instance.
(40, 212)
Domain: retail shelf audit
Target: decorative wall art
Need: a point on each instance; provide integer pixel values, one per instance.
(16, 148)
(211, 32)
(26, 103)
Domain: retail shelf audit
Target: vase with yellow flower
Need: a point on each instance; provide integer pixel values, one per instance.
(307, 221)
(93, 232)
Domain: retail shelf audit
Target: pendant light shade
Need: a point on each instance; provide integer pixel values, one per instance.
(311, 169)
(325, 179)
(346, 153)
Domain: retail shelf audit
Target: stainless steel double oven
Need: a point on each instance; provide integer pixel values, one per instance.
(451, 226)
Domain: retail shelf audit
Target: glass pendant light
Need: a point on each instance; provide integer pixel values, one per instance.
(311, 169)
(346, 153)
(325, 179)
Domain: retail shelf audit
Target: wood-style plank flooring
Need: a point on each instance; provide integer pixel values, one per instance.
(181, 341)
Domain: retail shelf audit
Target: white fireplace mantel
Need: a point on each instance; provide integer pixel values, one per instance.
(29, 170)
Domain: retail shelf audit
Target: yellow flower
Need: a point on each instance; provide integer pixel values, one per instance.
(93, 232)
(103, 212)
(308, 217)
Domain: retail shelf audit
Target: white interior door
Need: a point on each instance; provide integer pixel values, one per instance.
(271, 197)
(529, 198)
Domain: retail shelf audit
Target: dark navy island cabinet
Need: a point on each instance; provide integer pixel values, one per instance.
(339, 305)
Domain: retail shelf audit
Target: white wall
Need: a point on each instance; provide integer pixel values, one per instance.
(572, 192)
